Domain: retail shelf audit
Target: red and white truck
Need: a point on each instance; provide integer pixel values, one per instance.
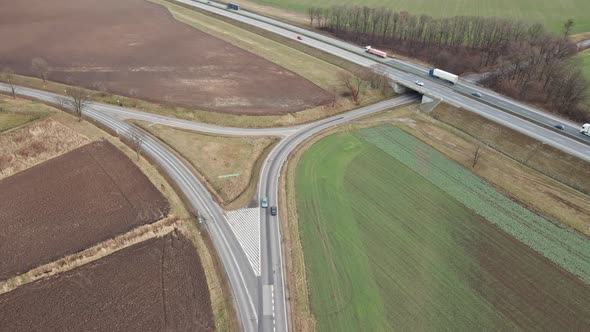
(375, 51)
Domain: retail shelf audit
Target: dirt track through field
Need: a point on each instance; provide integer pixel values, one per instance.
(157, 285)
(136, 48)
(71, 202)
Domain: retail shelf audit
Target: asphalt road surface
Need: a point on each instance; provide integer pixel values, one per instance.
(407, 73)
(260, 300)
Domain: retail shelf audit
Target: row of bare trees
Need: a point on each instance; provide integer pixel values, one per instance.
(527, 61)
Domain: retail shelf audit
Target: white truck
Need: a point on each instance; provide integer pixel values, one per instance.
(585, 129)
(443, 75)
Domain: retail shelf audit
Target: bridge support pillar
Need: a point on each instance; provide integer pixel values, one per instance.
(428, 104)
(398, 88)
(426, 99)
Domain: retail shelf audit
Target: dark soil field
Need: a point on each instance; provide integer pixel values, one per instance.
(157, 285)
(136, 48)
(72, 202)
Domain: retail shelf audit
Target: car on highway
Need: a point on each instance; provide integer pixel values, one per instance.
(264, 202)
(273, 210)
(559, 126)
(299, 38)
(419, 83)
(476, 94)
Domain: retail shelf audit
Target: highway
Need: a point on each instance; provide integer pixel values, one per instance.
(259, 299)
(407, 73)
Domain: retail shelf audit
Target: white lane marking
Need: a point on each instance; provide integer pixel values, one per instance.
(245, 223)
(267, 307)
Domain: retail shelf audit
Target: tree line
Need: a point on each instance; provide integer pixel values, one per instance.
(524, 59)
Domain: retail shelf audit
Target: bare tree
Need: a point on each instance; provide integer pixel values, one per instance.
(7, 75)
(136, 140)
(41, 67)
(567, 27)
(353, 84)
(476, 156)
(333, 94)
(311, 12)
(78, 101)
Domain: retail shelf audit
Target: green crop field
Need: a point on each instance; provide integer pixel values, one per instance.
(551, 13)
(397, 237)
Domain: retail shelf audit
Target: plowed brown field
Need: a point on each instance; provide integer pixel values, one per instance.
(136, 48)
(71, 202)
(157, 285)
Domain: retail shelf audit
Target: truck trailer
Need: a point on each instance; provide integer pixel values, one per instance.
(585, 129)
(233, 6)
(376, 52)
(443, 75)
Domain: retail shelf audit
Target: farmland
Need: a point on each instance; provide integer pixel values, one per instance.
(71, 202)
(550, 13)
(134, 59)
(404, 245)
(157, 285)
(32, 144)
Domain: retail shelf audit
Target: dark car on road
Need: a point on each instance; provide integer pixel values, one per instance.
(273, 210)
(559, 126)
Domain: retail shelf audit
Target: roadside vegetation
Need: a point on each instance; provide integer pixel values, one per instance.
(550, 13)
(30, 135)
(395, 229)
(527, 151)
(525, 61)
(15, 112)
(342, 104)
(228, 165)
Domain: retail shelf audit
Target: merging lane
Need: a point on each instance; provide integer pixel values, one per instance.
(273, 276)
(260, 300)
(239, 274)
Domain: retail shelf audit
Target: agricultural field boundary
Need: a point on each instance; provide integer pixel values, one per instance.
(142, 233)
(563, 246)
(225, 317)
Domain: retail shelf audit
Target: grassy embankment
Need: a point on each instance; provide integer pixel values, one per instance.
(220, 294)
(550, 13)
(15, 112)
(403, 224)
(215, 157)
